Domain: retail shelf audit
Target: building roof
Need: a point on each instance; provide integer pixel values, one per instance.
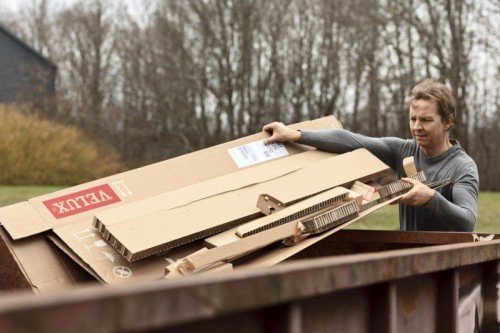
(28, 48)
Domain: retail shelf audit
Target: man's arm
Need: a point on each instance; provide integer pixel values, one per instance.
(461, 214)
(330, 140)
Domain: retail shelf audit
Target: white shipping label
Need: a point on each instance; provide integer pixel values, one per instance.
(257, 152)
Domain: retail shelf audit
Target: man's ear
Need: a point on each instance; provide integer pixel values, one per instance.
(447, 123)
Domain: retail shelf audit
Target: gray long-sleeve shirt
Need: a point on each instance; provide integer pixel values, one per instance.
(452, 208)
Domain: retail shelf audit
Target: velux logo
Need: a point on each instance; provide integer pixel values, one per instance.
(81, 201)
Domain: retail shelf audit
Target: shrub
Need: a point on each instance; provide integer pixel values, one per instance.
(35, 151)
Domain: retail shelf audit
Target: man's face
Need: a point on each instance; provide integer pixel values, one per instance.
(427, 127)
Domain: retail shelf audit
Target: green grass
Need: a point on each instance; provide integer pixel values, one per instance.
(383, 219)
(489, 212)
(13, 194)
(386, 218)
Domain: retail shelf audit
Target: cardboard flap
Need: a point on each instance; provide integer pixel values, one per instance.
(71, 254)
(22, 220)
(321, 123)
(41, 266)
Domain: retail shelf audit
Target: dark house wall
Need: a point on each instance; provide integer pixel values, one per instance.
(25, 75)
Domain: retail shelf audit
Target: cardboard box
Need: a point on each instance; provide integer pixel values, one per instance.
(74, 208)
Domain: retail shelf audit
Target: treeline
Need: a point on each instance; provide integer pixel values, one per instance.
(171, 77)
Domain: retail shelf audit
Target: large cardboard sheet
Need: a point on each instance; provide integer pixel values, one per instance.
(154, 231)
(83, 201)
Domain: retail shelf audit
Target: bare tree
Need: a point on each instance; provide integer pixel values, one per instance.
(86, 52)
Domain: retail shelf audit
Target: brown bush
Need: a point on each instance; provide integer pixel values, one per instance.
(35, 151)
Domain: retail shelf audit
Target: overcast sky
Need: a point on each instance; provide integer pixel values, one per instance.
(11, 4)
(17, 5)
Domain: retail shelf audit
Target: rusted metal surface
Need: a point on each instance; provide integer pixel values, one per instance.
(427, 288)
(365, 241)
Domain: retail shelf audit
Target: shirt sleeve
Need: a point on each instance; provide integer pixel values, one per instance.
(461, 214)
(342, 141)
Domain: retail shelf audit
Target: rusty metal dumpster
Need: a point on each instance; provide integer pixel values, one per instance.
(352, 281)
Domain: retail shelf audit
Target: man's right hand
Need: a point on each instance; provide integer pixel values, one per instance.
(280, 133)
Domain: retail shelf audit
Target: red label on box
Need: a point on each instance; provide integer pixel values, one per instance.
(82, 201)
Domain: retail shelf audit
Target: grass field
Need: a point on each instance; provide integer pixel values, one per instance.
(383, 219)
(387, 217)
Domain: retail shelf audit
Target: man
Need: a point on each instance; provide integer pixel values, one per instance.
(432, 111)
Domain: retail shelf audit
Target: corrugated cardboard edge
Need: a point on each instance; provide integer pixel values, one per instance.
(277, 255)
